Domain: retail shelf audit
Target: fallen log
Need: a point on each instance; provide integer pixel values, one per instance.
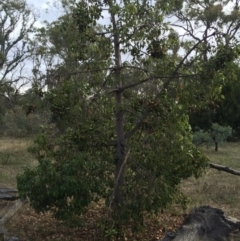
(207, 224)
(224, 168)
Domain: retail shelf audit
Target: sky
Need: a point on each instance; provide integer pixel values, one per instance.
(43, 10)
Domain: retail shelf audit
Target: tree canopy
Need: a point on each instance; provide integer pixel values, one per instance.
(119, 92)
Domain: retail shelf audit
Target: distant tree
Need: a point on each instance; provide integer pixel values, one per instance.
(16, 23)
(225, 110)
(215, 135)
(228, 109)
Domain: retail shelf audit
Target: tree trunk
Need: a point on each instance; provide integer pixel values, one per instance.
(1, 236)
(207, 224)
(216, 146)
(120, 152)
(120, 149)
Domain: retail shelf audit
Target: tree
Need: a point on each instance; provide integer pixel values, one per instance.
(225, 110)
(134, 108)
(228, 109)
(215, 135)
(16, 24)
(14, 15)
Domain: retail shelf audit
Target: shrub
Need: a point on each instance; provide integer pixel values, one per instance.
(214, 136)
(17, 124)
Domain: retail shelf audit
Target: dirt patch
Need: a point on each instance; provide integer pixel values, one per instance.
(4, 207)
(29, 226)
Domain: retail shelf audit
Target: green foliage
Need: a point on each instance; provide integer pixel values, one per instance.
(120, 131)
(228, 111)
(65, 187)
(216, 134)
(159, 160)
(75, 168)
(225, 110)
(17, 124)
(202, 137)
(220, 133)
(72, 170)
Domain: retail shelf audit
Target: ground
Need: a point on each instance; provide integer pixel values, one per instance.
(215, 188)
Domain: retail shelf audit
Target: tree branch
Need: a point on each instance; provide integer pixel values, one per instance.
(82, 72)
(153, 78)
(135, 67)
(224, 168)
(187, 30)
(135, 84)
(165, 85)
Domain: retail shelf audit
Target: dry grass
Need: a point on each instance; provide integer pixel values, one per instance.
(13, 157)
(215, 188)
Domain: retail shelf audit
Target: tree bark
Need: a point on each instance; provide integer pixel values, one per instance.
(120, 147)
(224, 168)
(216, 146)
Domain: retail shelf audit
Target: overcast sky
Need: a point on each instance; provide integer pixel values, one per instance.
(44, 10)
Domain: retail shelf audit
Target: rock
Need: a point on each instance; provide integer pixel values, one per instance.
(207, 224)
(14, 239)
(8, 194)
(11, 211)
(169, 236)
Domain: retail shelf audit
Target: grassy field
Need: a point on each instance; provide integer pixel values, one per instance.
(215, 188)
(13, 157)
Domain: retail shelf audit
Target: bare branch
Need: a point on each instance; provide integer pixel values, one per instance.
(133, 130)
(165, 85)
(82, 72)
(190, 32)
(135, 84)
(153, 78)
(224, 168)
(135, 67)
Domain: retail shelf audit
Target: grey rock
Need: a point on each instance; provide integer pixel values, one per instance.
(169, 236)
(8, 194)
(207, 224)
(14, 239)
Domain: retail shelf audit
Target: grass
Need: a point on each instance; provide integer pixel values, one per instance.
(214, 188)
(13, 157)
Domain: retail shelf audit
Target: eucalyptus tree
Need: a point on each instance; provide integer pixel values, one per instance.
(16, 23)
(222, 19)
(123, 111)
